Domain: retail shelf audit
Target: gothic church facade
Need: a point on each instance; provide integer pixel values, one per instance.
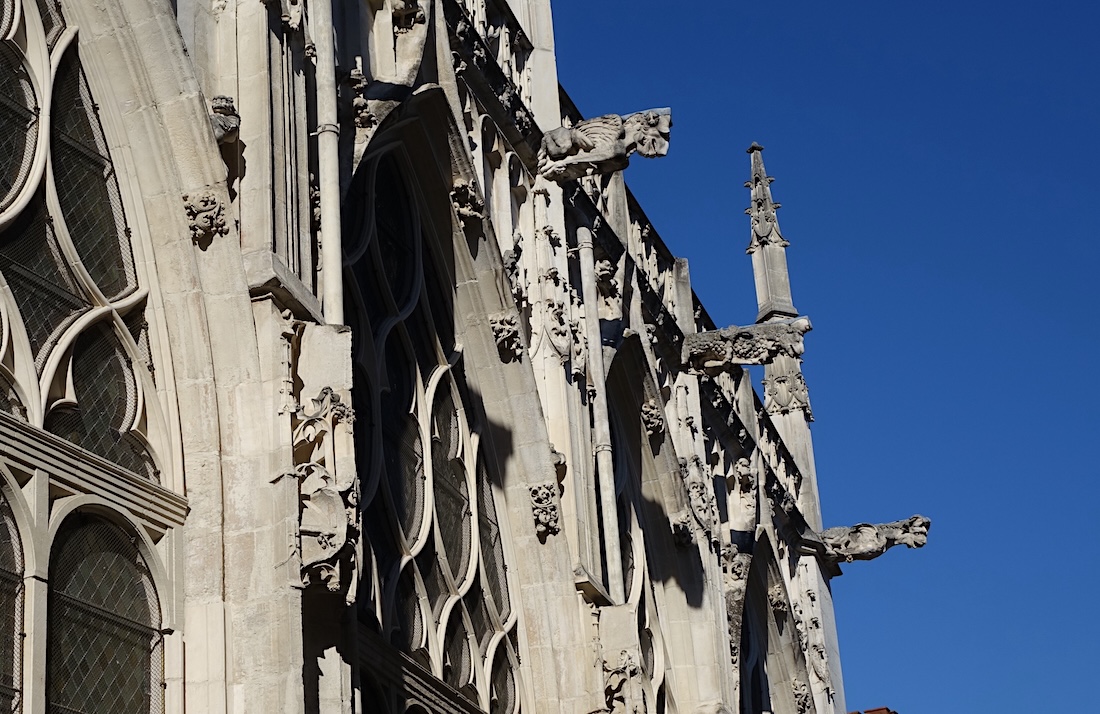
(341, 372)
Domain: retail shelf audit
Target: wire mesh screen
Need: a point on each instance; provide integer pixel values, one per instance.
(9, 399)
(502, 699)
(39, 278)
(104, 651)
(7, 16)
(52, 20)
(138, 328)
(86, 186)
(452, 511)
(106, 392)
(18, 122)
(458, 665)
(492, 550)
(11, 611)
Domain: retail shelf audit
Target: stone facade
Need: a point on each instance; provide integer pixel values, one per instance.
(341, 372)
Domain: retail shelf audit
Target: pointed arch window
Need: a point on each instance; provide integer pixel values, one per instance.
(104, 650)
(441, 589)
(69, 288)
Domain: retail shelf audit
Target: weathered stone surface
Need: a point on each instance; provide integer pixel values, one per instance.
(867, 541)
(719, 350)
(604, 144)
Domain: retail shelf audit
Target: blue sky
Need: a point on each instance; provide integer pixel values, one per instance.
(937, 165)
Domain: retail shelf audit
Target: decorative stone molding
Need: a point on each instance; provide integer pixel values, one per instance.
(604, 144)
(544, 507)
(786, 393)
(653, 418)
(506, 334)
(328, 494)
(717, 351)
(765, 224)
(224, 120)
(867, 541)
(206, 217)
(735, 573)
(605, 278)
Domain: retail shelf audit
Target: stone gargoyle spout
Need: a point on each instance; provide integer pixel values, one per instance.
(867, 541)
(604, 144)
(719, 350)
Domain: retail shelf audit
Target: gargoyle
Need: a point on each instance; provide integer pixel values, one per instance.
(867, 541)
(604, 144)
(717, 350)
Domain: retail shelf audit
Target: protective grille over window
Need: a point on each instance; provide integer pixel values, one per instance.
(106, 402)
(40, 280)
(18, 120)
(105, 652)
(11, 611)
(433, 484)
(86, 185)
(64, 251)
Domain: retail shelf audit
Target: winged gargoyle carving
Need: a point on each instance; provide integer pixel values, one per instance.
(604, 144)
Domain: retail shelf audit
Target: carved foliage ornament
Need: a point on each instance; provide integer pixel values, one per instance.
(544, 507)
(467, 203)
(786, 393)
(329, 494)
(867, 541)
(716, 351)
(765, 224)
(604, 144)
(206, 218)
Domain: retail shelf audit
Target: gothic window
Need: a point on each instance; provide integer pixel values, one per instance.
(71, 307)
(104, 650)
(440, 590)
(11, 611)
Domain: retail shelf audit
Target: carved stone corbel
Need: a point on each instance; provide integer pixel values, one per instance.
(467, 204)
(506, 334)
(653, 418)
(604, 144)
(224, 120)
(205, 217)
(867, 541)
(717, 351)
(544, 508)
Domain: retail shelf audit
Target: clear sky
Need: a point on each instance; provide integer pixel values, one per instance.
(938, 168)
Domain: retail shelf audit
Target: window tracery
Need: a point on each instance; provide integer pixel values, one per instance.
(70, 300)
(441, 589)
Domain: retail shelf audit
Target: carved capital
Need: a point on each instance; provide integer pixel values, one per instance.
(717, 351)
(506, 334)
(604, 144)
(867, 541)
(544, 507)
(206, 218)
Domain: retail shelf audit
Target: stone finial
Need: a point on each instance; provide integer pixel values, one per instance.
(224, 119)
(765, 224)
(604, 144)
(867, 541)
(716, 351)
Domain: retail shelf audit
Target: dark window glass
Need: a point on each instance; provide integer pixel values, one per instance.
(104, 651)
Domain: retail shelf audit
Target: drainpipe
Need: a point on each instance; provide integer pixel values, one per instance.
(605, 465)
(328, 163)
